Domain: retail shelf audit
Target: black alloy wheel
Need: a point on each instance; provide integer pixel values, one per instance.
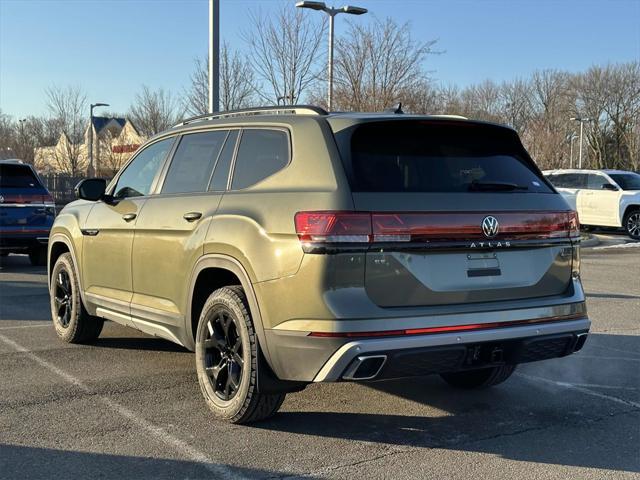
(223, 355)
(63, 298)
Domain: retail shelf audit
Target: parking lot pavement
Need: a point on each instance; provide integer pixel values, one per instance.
(130, 407)
(611, 238)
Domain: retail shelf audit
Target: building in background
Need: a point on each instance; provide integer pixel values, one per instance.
(114, 140)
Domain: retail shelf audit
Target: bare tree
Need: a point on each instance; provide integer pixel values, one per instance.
(68, 108)
(516, 104)
(155, 111)
(623, 111)
(285, 52)
(237, 83)
(378, 65)
(7, 136)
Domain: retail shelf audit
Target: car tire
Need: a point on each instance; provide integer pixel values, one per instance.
(480, 378)
(38, 256)
(227, 360)
(631, 223)
(71, 320)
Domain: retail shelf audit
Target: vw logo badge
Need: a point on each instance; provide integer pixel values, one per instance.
(1, 199)
(490, 226)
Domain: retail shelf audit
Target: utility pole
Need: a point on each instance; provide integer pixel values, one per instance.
(571, 140)
(91, 168)
(332, 12)
(214, 56)
(581, 120)
(22, 121)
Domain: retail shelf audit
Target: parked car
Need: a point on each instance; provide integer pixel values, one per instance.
(27, 211)
(603, 198)
(286, 245)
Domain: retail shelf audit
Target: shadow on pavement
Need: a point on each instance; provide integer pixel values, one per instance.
(20, 462)
(20, 264)
(139, 343)
(552, 424)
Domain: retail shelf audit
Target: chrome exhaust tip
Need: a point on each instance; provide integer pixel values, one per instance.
(581, 338)
(365, 367)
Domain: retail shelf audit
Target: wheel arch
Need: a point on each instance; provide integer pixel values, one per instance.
(629, 208)
(59, 244)
(225, 269)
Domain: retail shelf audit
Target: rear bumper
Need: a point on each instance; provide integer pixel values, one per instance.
(426, 354)
(302, 357)
(24, 240)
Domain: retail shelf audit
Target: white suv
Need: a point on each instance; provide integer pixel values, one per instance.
(605, 198)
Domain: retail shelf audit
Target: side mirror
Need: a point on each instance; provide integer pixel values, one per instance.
(91, 189)
(609, 186)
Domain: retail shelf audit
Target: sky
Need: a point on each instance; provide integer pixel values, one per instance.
(111, 47)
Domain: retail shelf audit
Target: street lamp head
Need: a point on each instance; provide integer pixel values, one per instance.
(312, 5)
(354, 10)
(581, 119)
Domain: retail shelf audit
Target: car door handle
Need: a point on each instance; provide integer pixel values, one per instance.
(192, 216)
(127, 217)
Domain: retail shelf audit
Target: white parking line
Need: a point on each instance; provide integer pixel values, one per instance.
(17, 327)
(620, 245)
(580, 388)
(597, 385)
(220, 471)
(598, 357)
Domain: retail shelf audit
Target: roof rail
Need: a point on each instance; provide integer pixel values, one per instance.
(245, 112)
(459, 117)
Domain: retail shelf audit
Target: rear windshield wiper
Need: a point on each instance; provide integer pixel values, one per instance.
(495, 186)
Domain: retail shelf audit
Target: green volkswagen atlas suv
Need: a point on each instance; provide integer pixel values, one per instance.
(288, 245)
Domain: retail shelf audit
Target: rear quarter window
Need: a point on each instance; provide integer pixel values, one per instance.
(17, 176)
(261, 153)
(427, 156)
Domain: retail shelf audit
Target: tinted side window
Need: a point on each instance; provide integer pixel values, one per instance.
(556, 180)
(595, 182)
(193, 162)
(261, 154)
(573, 180)
(137, 178)
(221, 173)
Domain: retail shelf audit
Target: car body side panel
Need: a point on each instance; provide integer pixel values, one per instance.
(164, 246)
(106, 257)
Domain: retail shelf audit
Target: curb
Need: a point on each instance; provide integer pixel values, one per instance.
(591, 241)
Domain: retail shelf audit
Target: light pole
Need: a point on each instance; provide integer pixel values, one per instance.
(91, 169)
(581, 120)
(214, 56)
(332, 12)
(571, 140)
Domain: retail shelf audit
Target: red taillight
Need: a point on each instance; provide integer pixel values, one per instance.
(381, 227)
(573, 224)
(333, 227)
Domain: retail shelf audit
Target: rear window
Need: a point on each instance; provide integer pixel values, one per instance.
(17, 176)
(427, 156)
